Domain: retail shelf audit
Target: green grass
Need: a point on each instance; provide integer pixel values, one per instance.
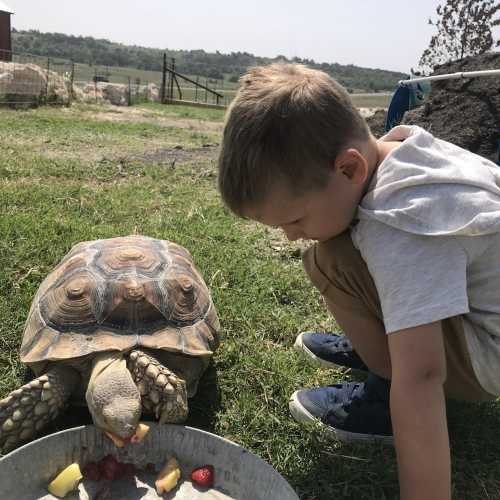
(381, 100)
(376, 100)
(205, 114)
(68, 175)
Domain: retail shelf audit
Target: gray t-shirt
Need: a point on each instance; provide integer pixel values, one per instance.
(429, 232)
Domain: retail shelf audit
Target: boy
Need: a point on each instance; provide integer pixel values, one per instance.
(407, 258)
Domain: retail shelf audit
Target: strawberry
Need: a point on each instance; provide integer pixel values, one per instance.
(203, 476)
(129, 469)
(151, 468)
(91, 471)
(109, 467)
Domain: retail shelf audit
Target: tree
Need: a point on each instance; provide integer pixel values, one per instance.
(464, 28)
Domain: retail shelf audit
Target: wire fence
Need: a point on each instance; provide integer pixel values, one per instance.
(30, 80)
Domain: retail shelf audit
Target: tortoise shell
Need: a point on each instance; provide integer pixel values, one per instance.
(119, 294)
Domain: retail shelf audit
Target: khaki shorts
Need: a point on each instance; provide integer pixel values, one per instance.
(338, 271)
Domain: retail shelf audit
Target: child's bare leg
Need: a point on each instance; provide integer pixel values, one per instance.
(368, 338)
(356, 411)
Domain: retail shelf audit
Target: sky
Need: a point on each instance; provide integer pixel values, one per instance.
(385, 34)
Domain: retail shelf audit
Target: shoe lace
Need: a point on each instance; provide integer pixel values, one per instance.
(348, 391)
(365, 394)
(339, 343)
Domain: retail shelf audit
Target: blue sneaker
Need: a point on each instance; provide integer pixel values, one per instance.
(354, 411)
(329, 350)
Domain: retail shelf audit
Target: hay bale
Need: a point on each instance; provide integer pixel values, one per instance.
(25, 82)
(115, 93)
(153, 92)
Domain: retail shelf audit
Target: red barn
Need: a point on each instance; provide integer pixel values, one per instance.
(5, 40)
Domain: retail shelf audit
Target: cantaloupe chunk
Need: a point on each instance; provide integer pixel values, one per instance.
(140, 433)
(66, 481)
(118, 441)
(168, 477)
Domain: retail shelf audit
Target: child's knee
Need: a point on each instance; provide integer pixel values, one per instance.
(338, 271)
(335, 261)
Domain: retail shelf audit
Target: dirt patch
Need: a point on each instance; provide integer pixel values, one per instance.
(465, 111)
(134, 115)
(177, 155)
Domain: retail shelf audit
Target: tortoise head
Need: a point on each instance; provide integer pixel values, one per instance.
(112, 396)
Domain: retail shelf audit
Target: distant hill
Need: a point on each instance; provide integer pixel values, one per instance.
(216, 65)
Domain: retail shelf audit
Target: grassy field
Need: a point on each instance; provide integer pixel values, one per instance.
(87, 172)
(378, 100)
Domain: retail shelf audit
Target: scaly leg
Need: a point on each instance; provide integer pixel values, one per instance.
(25, 411)
(162, 392)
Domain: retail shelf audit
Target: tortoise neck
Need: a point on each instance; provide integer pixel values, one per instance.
(103, 360)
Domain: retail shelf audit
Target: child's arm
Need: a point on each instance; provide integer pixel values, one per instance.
(418, 412)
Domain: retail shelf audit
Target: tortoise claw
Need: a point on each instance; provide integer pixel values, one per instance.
(163, 393)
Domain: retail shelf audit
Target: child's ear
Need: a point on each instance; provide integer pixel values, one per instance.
(353, 165)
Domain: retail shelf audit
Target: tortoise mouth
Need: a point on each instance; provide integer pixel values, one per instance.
(119, 441)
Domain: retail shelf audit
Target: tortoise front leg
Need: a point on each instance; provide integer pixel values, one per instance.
(162, 392)
(25, 411)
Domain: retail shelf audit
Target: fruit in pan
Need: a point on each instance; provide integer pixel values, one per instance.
(91, 471)
(140, 433)
(118, 441)
(168, 476)
(110, 468)
(203, 476)
(66, 481)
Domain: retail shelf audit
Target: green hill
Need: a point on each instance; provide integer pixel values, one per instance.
(92, 51)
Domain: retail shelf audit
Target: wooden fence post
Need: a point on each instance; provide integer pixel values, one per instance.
(163, 78)
(172, 78)
(47, 82)
(71, 82)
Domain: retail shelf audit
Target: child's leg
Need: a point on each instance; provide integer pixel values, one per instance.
(359, 411)
(337, 269)
(461, 382)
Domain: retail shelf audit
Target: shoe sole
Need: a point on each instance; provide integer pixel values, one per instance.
(301, 415)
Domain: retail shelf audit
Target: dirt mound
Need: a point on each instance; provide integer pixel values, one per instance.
(376, 122)
(465, 111)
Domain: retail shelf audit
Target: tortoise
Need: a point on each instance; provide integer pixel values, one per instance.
(125, 325)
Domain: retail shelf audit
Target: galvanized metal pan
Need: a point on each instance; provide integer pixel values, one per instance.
(239, 474)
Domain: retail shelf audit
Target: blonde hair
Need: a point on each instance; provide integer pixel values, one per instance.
(286, 124)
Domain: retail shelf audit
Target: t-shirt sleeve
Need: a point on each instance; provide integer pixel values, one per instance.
(419, 279)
